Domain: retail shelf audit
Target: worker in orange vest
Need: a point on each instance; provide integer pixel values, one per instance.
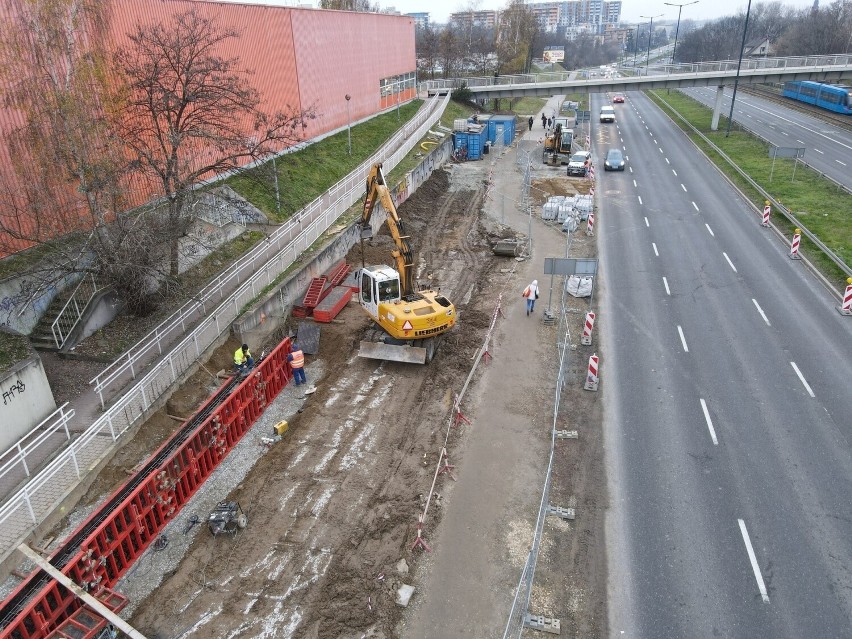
(297, 363)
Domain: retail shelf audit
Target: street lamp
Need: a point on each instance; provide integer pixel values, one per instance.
(650, 31)
(677, 28)
(737, 76)
(636, 44)
(348, 125)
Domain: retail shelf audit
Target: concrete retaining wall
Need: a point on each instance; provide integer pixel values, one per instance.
(25, 400)
(268, 314)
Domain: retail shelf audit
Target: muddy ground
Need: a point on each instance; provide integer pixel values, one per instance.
(333, 506)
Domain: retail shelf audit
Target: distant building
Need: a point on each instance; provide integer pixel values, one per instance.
(757, 48)
(475, 18)
(571, 16)
(421, 19)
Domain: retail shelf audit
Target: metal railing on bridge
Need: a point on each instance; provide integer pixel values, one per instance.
(719, 66)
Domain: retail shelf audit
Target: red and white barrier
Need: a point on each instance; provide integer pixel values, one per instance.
(845, 307)
(592, 172)
(592, 192)
(592, 374)
(766, 211)
(586, 339)
(590, 224)
(794, 247)
(420, 542)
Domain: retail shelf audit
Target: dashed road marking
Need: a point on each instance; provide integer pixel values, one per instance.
(802, 379)
(730, 262)
(709, 229)
(666, 284)
(753, 560)
(760, 310)
(709, 422)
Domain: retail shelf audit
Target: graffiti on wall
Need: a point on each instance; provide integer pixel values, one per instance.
(17, 388)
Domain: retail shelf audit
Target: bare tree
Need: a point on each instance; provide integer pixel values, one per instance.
(350, 5)
(427, 46)
(188, 113)
(61, 189)
(515, 37)
(449, 50)
(825, 30)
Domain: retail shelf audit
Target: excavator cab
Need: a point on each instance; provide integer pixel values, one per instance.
(378, 284)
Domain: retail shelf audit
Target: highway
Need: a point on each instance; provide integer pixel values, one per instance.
(725, 371)
(829, 147)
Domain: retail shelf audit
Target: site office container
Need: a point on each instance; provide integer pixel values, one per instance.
(501, 129)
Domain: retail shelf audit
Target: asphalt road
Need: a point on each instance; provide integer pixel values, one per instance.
(726, 376)
(828, 148)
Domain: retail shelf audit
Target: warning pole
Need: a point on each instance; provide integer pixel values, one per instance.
(845, 307)
(586, 339)
(766, 211)
(592, 374)
(794, 247)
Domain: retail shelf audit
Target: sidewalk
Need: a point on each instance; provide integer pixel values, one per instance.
(487, 523)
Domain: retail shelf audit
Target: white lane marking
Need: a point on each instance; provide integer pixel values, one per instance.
(729, 261)
(709, 229)
(658, 147)
(631, 168)
(682, 339)
(760, 310)
(626, 157)
(696, 206)
(748, 115)
(667, 161)
(656, 252)
(785, 133)
(666, 284)
(802, 378)
(634, 183)
(709, 423)
(646, 223)
(760, 585)
(675, 172)
(839, 162)
(640, 199)
(683, 187)
(818, 151)
(799, 141)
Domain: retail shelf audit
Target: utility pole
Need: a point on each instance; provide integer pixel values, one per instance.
(739, 65)
(677, 29)
(650, 31)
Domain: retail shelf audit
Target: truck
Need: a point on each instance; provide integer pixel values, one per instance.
(407, 321)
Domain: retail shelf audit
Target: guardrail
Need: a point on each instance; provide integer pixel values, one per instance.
(778, 206)
(71, 313)
(115, 376)
(28, 507)
(15, 459)
(668, 69)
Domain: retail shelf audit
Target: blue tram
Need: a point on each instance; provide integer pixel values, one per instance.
(826, 96)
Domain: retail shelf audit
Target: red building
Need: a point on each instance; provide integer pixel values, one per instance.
(300, 58)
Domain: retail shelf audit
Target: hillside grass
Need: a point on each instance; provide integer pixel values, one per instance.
(822, 207)
(307, 173)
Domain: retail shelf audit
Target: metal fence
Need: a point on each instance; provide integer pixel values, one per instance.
(31, 504)
(71, 313)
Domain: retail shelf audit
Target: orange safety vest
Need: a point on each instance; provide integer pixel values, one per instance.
(298, 360)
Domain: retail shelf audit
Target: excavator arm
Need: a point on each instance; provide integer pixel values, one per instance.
(377, 191)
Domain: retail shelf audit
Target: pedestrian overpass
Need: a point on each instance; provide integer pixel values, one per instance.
(830, 69)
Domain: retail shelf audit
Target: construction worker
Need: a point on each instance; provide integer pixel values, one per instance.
(297, 363)
(243, 361)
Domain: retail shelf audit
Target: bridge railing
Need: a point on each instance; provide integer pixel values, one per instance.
(841, 59)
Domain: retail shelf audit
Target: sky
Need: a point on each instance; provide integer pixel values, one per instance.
(631, 10)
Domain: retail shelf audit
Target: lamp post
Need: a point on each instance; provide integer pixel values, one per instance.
(650, 31)
(348, 125)
(636, 44)
(737, 76)
(677, 28)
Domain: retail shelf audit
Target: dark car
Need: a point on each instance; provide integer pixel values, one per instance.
(614, 160)
(618, 99)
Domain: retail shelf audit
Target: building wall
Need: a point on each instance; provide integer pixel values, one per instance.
(300, 58)
(25, 400)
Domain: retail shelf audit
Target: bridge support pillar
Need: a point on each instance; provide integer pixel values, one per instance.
(717, 108)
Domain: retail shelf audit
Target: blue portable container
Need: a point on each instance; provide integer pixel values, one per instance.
(501, 125)
(474, 143)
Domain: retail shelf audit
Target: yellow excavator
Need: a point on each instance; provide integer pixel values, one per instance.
(557, 145)
(408, 321)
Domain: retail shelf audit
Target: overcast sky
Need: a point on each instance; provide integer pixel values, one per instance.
(631, 10)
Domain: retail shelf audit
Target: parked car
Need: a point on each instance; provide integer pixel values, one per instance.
(607, 114)
(579, 163)
(618, 99)
(614, 160)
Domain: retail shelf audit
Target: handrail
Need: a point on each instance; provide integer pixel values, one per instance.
(60, 336)
(50, 424)
(36, 499)
(233, 275)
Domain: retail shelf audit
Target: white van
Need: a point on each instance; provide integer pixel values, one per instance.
(607, 114)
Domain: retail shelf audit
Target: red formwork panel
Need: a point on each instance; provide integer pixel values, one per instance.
(314, 293)
(86, 624)
(126, 530)
(331, 306)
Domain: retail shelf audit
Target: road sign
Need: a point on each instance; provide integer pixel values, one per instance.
(569, 266)
(584, 116)
(786, 152)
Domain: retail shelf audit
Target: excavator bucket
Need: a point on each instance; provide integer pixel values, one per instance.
(393, 352)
